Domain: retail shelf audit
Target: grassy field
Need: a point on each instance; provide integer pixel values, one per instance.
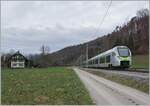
(140, 61)
(144, 87)
(52, 86)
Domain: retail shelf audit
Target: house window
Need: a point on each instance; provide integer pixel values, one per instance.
(21, 64)
(14, 64)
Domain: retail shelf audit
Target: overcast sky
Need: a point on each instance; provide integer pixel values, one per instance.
(28, 25)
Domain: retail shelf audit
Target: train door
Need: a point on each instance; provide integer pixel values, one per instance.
(113, 60)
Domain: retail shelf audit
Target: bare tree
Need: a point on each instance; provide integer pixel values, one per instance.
(142, 13)
(44, 49)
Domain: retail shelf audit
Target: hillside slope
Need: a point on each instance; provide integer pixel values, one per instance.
(134, 34)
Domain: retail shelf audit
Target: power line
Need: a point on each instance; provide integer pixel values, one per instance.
(97, 31)
(103, 18)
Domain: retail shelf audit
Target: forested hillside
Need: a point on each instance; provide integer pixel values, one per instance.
(134, 34)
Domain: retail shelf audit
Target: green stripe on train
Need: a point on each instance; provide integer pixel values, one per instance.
(124, 58)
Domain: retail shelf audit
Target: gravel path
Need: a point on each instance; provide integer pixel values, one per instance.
(105, 92)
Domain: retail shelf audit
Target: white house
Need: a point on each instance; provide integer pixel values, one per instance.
(17, 60)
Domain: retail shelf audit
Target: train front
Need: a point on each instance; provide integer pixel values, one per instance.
(124, 56)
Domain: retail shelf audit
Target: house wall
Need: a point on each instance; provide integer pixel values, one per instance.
(17, 64)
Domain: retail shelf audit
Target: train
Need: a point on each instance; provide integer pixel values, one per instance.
(117, 57)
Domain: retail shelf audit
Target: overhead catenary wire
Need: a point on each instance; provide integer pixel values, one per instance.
(99, 27)
(98, 30)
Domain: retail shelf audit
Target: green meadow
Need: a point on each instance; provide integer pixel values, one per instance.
(140, 61)
(51, 86)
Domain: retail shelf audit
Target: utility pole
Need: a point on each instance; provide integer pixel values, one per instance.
(87, 55)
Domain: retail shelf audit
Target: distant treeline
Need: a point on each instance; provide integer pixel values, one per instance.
(134, 34)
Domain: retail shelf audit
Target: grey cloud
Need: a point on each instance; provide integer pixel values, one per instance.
(26, 25)
(56, 37)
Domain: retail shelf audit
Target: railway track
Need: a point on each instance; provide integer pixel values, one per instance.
(129, 72)
(138, 70)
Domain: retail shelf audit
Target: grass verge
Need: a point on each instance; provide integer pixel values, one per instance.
(51, 86)
(140, 61)
(124, 80)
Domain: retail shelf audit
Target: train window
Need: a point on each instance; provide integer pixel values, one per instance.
(102, 60)
(108, 59)
(123, 51)
(93, 61)
(96, 61)
(90, 62)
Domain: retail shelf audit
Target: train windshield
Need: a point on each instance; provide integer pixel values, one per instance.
(123, 51)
